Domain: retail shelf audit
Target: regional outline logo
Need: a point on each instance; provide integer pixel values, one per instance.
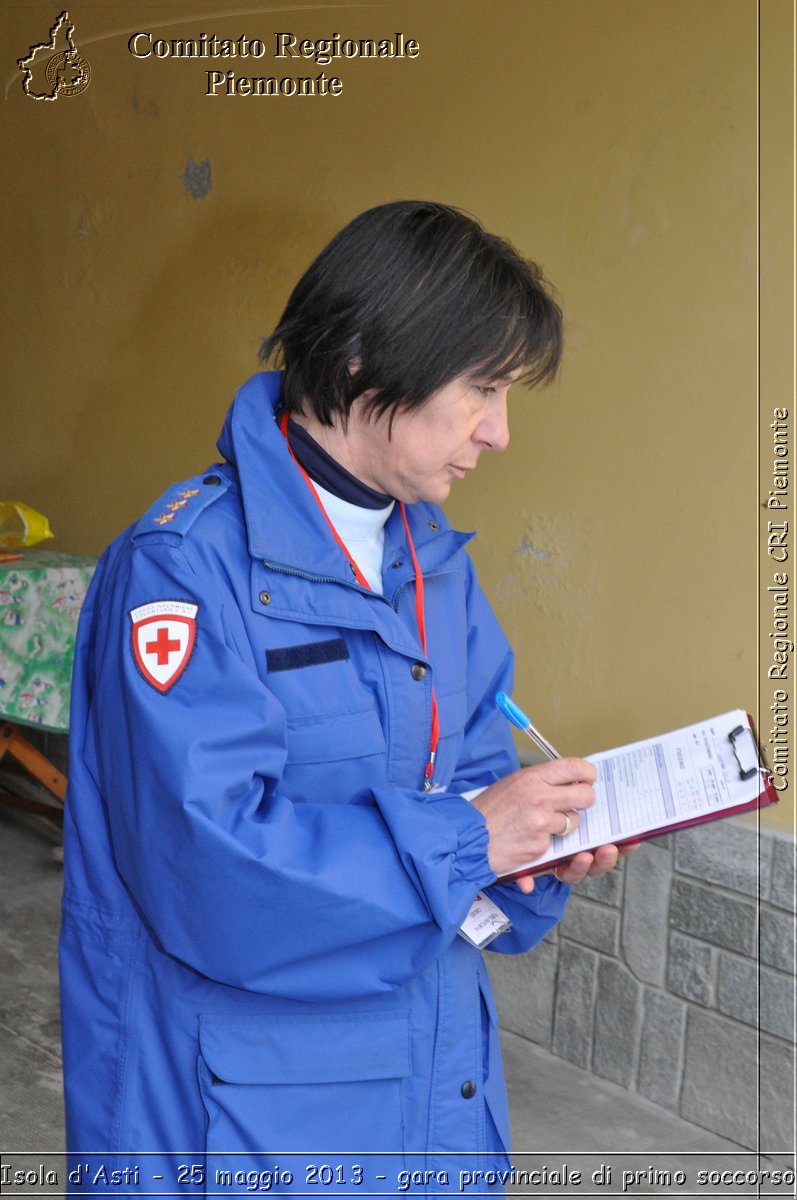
(55, 68)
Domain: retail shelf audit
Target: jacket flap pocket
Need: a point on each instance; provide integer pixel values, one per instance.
(279, 1048)
(340, 735)
(452, 711)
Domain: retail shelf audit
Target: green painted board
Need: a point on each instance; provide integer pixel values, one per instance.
(41, 594)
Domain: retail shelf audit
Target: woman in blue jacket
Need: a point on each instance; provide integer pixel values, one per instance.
(289, 779)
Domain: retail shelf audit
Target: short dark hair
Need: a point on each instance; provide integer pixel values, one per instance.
(407, 297)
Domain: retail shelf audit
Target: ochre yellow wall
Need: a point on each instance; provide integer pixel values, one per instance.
(612, 140)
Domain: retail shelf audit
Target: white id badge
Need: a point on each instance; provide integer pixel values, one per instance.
(484, 922)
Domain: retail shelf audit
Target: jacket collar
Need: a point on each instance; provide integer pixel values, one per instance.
(284, 524)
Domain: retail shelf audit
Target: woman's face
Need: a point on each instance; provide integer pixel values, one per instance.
(430, 447)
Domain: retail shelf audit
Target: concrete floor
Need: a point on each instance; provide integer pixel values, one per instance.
(564, 1119)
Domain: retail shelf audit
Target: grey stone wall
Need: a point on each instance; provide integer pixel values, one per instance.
(673, 976)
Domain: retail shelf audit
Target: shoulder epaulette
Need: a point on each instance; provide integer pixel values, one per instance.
(177, 509)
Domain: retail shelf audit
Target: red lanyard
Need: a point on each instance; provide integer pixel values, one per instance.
(358, 575)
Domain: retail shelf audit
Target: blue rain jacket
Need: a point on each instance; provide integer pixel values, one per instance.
(259, 955)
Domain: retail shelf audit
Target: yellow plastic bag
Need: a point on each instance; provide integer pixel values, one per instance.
(21, 526)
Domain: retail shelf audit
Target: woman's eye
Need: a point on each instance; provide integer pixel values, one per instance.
(485, 389)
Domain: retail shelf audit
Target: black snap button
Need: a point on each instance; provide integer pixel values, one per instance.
(468, 1089)
(434, 526)
(265, 597)
(213, 480)
(418, 671)
(397, 563)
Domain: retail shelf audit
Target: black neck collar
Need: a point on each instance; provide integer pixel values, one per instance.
(324, 470)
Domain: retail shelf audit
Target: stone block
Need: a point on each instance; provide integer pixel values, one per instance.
(713, 916)
(617, 1021)
(606, 890)
(720, 1082)
(648, 875)
(661, 1049)
(737, 989)
(777, 1004)
(691, 969)
(725, 853)
(593, 925)
(756, 995)
(575, 1003)
(783, 857)
(525, 989)
(777, 935)
(778, 1116)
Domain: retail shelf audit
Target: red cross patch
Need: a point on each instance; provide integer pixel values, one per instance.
(163, 639)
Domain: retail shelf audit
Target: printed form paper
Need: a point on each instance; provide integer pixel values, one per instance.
(651, 786)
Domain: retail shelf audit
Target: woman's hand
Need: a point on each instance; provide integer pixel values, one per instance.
(593, 863)
(525, 810)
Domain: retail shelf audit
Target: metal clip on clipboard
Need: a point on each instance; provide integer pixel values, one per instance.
(748, 743)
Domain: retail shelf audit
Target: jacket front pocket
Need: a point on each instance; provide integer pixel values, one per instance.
(332, 757)
(285, 1084)
(451, 708)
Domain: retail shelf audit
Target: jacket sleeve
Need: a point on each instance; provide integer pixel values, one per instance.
(488, 754)
(311, 901)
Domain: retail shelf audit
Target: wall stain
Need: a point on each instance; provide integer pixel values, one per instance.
(144, 106)
(526, 547)
(196, 178)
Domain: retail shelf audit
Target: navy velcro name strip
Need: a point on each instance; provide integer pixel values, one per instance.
(310, 654)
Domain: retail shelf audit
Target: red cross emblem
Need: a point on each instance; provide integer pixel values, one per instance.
(163, 639)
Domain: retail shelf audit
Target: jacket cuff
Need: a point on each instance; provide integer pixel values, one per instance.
(470, 864)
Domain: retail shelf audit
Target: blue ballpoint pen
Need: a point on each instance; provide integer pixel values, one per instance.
(517, 717)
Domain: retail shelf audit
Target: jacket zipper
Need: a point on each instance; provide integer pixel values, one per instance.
(356, 587)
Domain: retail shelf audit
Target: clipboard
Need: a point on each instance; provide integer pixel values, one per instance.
(701, 773)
